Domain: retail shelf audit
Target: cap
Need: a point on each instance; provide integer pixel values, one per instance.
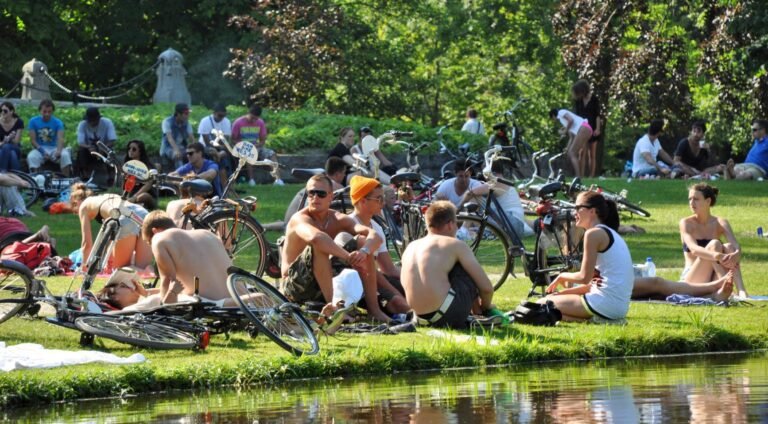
(181, 107)
(218, 107)
(360, 187)
(92, 114)
(366, 130)
(122, 275)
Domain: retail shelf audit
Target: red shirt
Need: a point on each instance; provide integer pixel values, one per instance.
(11, 225)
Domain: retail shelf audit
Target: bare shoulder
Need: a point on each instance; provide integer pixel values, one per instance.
(300, 217)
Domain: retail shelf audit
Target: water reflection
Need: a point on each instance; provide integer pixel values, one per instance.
(711, 389)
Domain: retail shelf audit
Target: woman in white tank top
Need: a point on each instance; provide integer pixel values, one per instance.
(605, 278)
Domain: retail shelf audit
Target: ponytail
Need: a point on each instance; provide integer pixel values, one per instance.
(611, 218)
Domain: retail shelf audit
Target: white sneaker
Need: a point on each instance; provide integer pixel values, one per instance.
(279, 182)
(252, 183)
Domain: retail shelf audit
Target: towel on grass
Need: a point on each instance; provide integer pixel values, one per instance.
(685, 299)
(30, 355)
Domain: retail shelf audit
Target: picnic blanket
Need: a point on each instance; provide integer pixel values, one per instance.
(30, 355)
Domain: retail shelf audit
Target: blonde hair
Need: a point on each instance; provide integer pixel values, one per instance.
(440, 213)
(79, 192)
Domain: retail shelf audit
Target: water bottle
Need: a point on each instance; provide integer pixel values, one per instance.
(650, 267)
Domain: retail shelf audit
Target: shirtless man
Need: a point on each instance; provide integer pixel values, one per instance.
(178, 253)
(440, 275)
(306, 264)
(368, 198)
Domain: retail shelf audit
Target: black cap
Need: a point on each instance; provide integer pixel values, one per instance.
(92, 114)
(218, 107)
(181, 108)
(366, 130)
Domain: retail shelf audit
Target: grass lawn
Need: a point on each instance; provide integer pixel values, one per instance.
(238, 360)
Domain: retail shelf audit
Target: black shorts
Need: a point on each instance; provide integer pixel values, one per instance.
(465, 295)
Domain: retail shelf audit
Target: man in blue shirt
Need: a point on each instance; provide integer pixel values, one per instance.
(201, 167)
(177, 134)
(46, 133)
(755, 165)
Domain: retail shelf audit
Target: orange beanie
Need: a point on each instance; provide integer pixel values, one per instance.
(360, 187)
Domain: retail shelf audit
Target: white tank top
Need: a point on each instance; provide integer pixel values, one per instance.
(611, 298)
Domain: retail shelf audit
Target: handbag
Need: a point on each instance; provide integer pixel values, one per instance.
(532, 313)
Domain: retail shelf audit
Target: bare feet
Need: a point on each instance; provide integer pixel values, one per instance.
(729, 172)
(724, 293)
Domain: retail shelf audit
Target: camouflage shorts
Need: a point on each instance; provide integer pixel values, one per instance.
(300, 285)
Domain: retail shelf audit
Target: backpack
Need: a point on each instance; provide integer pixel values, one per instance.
(29, 254)
(532, 313)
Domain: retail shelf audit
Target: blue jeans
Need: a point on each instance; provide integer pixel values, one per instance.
(9, 157)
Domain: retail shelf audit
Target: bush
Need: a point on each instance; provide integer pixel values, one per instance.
(290, 131)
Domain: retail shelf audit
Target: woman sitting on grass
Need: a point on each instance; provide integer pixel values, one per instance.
(606, 273)
(707, 258)
(129, 248)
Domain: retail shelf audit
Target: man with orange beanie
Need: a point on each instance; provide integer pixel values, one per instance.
(306, 257)
(368, 199)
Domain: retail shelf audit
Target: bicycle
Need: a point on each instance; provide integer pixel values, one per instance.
(48, 184)
(492, 237)
(508, 133)
(463, 154)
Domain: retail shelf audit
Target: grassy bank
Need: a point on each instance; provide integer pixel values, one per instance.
(239, 361)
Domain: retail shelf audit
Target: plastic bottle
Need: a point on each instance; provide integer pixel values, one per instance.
(650, 267)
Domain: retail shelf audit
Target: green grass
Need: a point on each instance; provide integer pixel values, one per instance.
(240, 361)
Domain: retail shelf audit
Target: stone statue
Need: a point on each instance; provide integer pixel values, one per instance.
(35, 85)
(171, 86)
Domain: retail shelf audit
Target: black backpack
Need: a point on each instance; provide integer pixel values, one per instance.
(532, 313)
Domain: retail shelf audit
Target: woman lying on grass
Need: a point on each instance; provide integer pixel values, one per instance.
(707, 258)
(606, 273)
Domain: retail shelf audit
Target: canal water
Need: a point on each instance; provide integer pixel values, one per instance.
(718, 388)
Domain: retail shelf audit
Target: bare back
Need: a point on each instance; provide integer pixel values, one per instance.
(425, 267)
(193, 253)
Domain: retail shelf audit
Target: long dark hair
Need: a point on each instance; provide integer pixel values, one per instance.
(604, 208)
(143, 156)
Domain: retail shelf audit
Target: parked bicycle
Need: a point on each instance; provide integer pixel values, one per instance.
(492, 237)
(46, 184)
(508, 133)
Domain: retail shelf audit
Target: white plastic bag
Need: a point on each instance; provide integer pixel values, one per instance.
(347, 286)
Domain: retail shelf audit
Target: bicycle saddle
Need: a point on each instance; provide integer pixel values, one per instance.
(306, 173)
(197, 187)
(547, 190)
(402, 177)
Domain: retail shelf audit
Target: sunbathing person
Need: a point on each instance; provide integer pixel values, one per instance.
(707, 258)
(129, 248)
(368, 199)
(442, 279)
(306, 264)
(606, 273)
(182, 255)
(649, 287)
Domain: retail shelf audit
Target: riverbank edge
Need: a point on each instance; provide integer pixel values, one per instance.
(29, 387)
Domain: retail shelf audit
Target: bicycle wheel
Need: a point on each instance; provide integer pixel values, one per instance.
(271, 312)
(623, 205)
(243, 237)
(31, 193)
(137, 331)
(15, 286)
(490, 246)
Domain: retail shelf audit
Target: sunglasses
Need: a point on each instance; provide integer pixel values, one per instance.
(756, 129)
(580, 207)
(133, 149)
(191, 153)
(377, 198)
(317, 193)
(3, 110)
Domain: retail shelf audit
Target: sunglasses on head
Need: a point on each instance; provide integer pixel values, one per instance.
(317, 193)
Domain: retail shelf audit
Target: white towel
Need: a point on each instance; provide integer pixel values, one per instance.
(30, 355)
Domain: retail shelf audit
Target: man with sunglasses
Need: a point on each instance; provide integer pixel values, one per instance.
(755, 165)
(200, 167)
(309, 245)
(368, 199)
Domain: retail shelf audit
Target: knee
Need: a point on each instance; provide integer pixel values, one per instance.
(715, 245)
(728, 248)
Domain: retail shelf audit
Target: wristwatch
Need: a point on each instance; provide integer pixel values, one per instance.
(364, 250)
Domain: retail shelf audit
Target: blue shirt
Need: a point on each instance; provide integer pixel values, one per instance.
(758, 154)
(46, 132)
(181, 133)
(207, 166)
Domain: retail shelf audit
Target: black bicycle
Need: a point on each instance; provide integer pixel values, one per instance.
(509, 134)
